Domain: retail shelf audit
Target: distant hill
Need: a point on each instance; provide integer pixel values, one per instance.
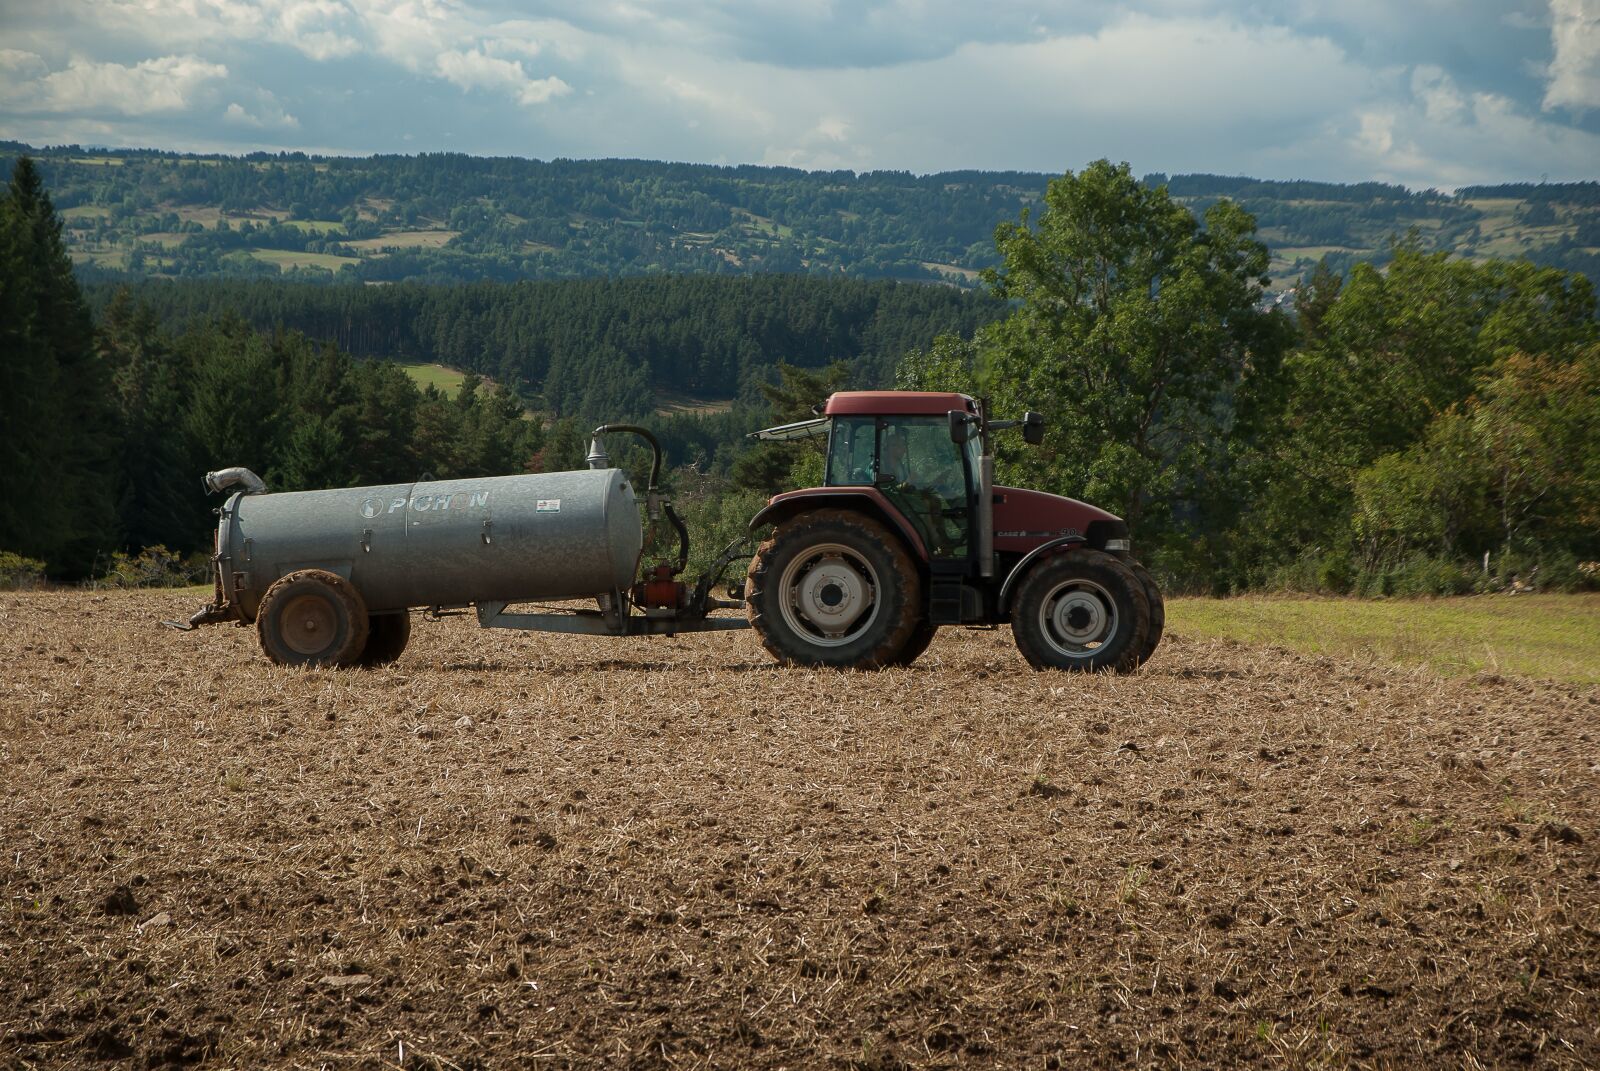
(450, 217)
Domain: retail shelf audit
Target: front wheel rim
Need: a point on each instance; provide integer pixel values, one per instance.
(1078, 619)
(829, 595)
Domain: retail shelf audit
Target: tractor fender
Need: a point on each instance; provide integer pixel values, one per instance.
(1018, 571)
(868, 500)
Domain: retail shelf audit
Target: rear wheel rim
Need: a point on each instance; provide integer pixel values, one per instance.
(830, 595)
(1078, 618)
(308, 625)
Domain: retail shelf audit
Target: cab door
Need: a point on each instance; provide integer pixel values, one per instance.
(926, 477)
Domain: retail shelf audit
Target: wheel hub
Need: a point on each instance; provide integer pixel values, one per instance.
(830, 595)
(309, 625)
(1078, 618)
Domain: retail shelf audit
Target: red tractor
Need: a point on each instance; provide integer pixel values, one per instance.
(909, 532)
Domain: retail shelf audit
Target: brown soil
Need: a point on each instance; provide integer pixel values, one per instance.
(511, 850)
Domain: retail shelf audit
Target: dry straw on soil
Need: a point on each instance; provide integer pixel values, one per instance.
(514, 850)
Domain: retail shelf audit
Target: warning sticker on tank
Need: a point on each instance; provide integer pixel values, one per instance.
(548, 505)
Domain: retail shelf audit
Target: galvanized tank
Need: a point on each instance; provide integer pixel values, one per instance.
(442, 543)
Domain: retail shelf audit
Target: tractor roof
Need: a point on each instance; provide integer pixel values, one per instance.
(897, 403)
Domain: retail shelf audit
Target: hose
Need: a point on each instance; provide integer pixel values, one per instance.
(647, 436)
(683, 537)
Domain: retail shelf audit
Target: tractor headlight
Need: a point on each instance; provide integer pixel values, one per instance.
(1119, 546)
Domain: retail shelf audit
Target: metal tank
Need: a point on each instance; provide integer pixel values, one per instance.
(554, 535)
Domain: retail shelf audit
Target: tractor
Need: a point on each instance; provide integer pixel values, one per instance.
(909, 533)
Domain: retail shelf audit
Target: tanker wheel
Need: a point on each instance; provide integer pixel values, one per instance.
(1158, 611)
(312, 618)
(833, 588)
(387, 635)
(1083, 611)
(921, 637)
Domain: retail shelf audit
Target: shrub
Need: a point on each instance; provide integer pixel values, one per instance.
(18, 573)
(155, 567)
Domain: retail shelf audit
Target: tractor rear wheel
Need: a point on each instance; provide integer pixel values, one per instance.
(312, 617)
(1158, 611)
(833, 588)
(921, 637)
(387, 635)
(1082, 610)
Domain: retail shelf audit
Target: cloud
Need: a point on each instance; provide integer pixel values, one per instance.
(152, 86)
(1575, 69)
(1431, 92)
(476, 70)
(1446, 137)
(265, 114)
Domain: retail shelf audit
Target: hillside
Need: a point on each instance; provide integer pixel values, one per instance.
(444, 217)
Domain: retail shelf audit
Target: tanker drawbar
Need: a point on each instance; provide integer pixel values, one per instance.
(329, 577)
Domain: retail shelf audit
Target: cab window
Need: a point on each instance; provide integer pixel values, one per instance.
(853, 452)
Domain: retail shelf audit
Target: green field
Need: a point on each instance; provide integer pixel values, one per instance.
(1545, 636)
(289, 258)
(448, 380)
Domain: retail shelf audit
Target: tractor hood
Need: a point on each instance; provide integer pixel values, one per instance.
(1025, 519)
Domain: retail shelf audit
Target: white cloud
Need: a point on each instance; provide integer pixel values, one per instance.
(1446, 137)
(476, 70)
(266, 114)
(164, 84)
(1575, 70)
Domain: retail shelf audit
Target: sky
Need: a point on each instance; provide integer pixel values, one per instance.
(1428, 93)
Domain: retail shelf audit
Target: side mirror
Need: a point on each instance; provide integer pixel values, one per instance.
(1032, 428)
(960, 426)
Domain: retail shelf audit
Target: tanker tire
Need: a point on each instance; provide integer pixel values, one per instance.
(848, 544)
(1082, 611)
(1158, 611)
(312, 617)
(921, 637)
(387, 635)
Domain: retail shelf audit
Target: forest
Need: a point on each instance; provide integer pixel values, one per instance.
(441, 217)
(1416, 423)
(596, 348)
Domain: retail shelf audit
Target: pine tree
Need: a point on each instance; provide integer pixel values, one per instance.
(60, 433)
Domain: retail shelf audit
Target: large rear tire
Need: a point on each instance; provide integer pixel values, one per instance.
(1082, 610)
(1158, 611)
(312, 618)
(921, 637)
(387, 636)
(833, 588)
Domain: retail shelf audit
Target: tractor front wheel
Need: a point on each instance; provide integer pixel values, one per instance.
(312, 617)
(1082, 610)
(1158, 611)
(834, 588)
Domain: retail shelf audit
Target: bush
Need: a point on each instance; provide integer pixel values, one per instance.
(1316, 572)
(156, 567)
(18, 573)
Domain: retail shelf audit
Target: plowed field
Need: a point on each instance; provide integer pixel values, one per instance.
(523, 851)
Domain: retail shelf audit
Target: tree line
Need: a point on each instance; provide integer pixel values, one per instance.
(1430, 427)
(504, 219)
(598, 348)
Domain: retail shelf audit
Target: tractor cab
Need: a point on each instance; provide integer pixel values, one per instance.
(911, 459)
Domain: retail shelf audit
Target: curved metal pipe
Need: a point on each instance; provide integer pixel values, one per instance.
(647, 436)
(237, 476)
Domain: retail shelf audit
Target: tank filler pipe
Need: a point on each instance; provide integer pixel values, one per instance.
(598, 459)
(237, 476)
(643, 433)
